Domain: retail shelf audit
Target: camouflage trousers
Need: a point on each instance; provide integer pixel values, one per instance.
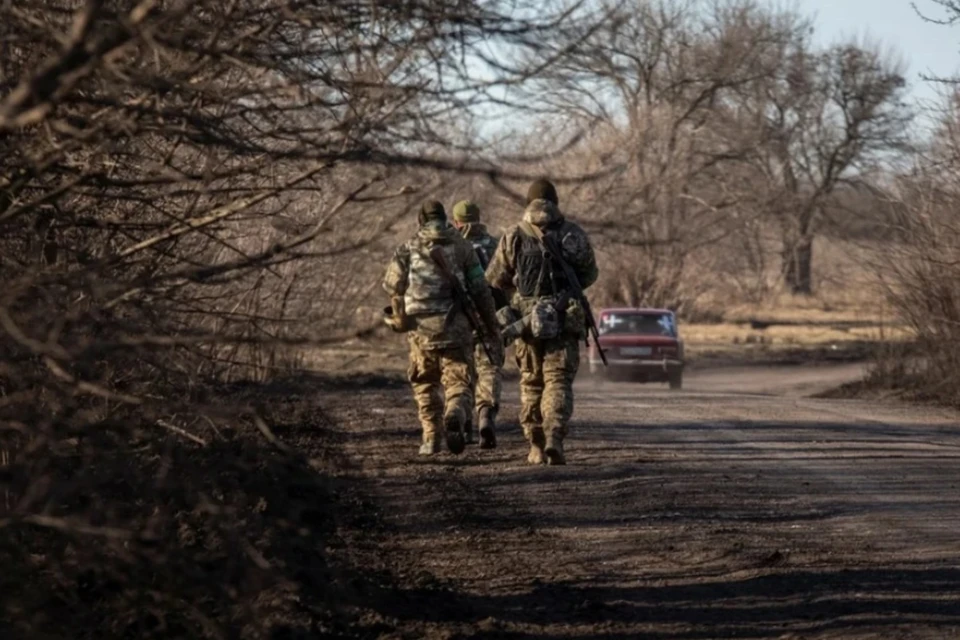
(489, 381)
(442, 379)
(547, 371)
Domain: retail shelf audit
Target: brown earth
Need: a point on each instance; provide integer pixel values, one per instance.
(739, 507)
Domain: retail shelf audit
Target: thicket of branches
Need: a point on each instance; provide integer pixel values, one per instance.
(919, 266)
(920, 270)
(185, 189)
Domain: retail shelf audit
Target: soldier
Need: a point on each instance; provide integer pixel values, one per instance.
(424, 302)
(489, 378)
(548, 352)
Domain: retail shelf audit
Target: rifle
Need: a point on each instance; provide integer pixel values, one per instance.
(573, 282)
(499, 299)
(482, 256)
(466, 303)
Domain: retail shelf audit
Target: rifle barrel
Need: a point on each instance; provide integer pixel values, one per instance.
(462, 297)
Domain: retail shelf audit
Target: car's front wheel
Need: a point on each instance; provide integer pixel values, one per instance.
(676, 379)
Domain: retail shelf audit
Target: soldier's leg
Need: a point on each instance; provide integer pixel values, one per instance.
(561, 360)
(424, 375)
(469, 429)
(488, 387)
(457, 375)
(530, 363)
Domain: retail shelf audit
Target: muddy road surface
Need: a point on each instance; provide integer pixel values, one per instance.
(736, 508)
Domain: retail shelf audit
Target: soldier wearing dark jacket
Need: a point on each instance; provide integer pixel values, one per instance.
(489, 379)
(548, 354)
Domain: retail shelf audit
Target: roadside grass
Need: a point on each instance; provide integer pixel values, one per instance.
(856, 299)
(380, 354)
(740, 336)
(847, 306)
(835, 317)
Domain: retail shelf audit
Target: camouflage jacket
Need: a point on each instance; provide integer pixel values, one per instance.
(428, 297)
(518, 266)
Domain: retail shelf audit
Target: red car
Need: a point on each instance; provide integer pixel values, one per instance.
(640, 344)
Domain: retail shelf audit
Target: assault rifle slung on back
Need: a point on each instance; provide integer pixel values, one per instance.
(466, 303)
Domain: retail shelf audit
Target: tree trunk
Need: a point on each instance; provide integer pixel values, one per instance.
(798, 267)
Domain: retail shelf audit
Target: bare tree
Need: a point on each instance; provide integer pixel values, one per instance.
(827, 118)
(661, 81)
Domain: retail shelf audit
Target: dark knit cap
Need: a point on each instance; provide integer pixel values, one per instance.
(542, 190)
(431, 210)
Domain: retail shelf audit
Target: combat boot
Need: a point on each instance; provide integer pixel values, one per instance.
(488, 433)
(554, 450)
(537, 443)
(455, 441)
(536, 455)
(430, 446)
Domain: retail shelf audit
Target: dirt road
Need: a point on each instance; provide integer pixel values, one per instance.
(736, 508)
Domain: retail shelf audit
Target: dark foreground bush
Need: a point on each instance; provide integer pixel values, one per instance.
(150, 534)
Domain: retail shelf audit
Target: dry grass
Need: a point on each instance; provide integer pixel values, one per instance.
(854, 304)
(848, 308)
(380, 355)
(846, 290)
(739, 336)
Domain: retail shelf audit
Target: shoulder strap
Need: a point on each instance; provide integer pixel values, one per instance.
(531, 230)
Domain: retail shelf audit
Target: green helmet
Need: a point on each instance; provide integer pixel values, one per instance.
(466, 211)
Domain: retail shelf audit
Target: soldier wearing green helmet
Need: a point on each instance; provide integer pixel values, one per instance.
(489, 378)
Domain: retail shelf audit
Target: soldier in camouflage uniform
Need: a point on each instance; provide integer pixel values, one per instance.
(441, 339)
(524, 270)
(489, 379)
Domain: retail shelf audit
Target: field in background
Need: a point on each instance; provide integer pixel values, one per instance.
(804, 327)
(797, 323)
(848, 316)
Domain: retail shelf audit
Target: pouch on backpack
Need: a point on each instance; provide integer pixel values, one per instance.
(544, 320)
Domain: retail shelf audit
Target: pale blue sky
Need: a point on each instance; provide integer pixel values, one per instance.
(925, 47)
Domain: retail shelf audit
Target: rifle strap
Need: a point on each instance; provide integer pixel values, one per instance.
(534, 231)
(531, 230)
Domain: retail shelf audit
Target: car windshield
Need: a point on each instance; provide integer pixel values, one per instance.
(647, 324)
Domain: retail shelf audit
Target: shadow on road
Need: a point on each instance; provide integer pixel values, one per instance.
(798, 602)
(678, 517)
